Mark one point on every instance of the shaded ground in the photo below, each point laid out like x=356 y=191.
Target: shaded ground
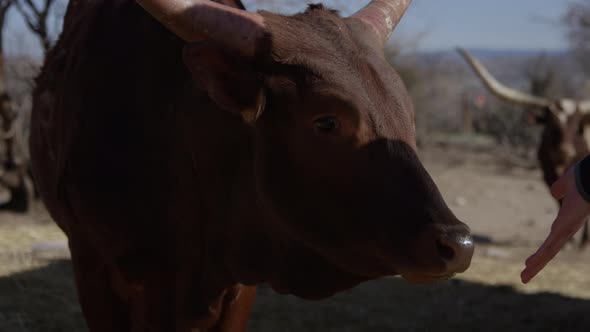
x=390 y=305
x=508 y=207
x=43 y=300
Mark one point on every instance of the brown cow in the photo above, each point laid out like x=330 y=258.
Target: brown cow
x=566 y=132
x=277 y=149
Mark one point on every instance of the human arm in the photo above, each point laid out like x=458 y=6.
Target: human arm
x=573 y=189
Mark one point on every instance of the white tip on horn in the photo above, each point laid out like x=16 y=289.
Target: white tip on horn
x=383 y=16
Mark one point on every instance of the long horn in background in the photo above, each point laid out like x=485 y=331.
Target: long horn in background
x=584 y=106
x=500 y=90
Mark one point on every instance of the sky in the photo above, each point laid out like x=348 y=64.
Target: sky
x=497 y=24
x=439 y=24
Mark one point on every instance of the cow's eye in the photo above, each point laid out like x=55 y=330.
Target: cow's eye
x=326 y=124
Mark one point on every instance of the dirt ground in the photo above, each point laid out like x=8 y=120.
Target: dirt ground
x=508 y=208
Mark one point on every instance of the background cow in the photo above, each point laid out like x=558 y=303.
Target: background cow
x=266 y=149
x=566 y=135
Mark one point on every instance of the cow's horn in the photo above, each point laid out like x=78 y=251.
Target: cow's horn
x=584 y=106
x=500 y=90
x=383 y=16
x=196 y=20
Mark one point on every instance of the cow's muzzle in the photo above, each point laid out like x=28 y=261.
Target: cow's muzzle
x=440 y=252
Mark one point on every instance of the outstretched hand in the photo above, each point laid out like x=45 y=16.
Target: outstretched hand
x=572 y=214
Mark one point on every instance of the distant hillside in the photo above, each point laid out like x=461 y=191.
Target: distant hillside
x=484 y=53
x=491 y=55
x=440 y=81
x=510 y=67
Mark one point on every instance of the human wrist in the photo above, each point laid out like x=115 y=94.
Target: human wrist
x=582 y=177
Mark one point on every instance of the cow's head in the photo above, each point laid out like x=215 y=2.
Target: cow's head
x=566 y=134
x=334 y=141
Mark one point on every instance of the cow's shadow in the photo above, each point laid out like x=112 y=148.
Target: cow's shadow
x=390 y=304
x=44 y=299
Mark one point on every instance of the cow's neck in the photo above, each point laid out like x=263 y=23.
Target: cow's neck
x=221 y=149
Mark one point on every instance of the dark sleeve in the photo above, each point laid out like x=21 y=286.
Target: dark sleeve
x=582 y=171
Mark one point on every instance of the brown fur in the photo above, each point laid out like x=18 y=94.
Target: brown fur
x=177 y=183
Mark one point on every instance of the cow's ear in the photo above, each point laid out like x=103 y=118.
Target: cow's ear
x=230 y=82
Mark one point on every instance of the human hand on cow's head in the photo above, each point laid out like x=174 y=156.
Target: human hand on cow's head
x=572 y=215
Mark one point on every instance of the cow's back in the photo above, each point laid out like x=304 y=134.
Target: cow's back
x=112 y=107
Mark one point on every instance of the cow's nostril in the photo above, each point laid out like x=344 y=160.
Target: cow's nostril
x=455 y=249
x=445 y=251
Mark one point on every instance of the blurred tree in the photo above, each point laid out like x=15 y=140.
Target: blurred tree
x=4 y=7
x=11 y=175
x=37 y=18
x=401 y=53
x=4 y=97
x=577 y=21
x=541 y=74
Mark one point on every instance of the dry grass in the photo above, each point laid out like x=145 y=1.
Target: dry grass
x=18 y=234
x=391 y=305
x=36 y=294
